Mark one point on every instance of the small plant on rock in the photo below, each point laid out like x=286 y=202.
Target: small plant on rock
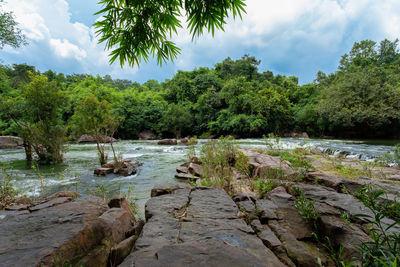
x=384 y=249
x=305 y=208
x=264 y=186
x=219 y=157
x=7 y=190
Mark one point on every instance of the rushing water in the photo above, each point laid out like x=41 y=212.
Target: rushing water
x=159 y=163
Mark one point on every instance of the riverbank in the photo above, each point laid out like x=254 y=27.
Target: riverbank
x=268 y=208
x=159 y=164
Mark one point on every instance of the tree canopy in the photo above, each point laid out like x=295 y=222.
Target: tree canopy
x=134 y=30
x=10 y=34
x=360 y=99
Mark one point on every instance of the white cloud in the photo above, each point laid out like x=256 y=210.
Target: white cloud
x=295 y=36
x=65 y=49
x=62 y=43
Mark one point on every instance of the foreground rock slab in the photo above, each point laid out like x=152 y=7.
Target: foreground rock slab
x=65 y=232
x=197 y=227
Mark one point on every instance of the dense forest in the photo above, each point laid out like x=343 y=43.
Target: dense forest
x=361 y=99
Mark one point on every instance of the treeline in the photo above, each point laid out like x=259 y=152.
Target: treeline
x=361 y=99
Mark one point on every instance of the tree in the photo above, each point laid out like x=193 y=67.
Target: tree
x=136 y=29
x=363 y=97
x=37 y=114
x=95 y=118
x=176 y=118
x=10 y=34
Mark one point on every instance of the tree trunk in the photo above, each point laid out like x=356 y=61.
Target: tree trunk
x=28 y=152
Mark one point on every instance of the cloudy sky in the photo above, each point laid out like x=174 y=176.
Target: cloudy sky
x=292 y=37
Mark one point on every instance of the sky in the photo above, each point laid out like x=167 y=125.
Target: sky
x=290 y=37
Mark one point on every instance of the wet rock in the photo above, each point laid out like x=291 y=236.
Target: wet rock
x=124 y=168
x=167 y=142
x=127 y=168
x=184 y=140
x=10 y=142
x=195 y=169
x=91 y=139
x=103 y=171
x=146 y=135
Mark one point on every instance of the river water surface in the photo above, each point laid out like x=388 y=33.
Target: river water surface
x=159 y=163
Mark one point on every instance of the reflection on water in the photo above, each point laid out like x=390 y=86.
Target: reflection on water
x=159 y=163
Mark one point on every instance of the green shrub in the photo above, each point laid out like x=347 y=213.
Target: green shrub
x=7 y=190
x=264 y=186
x=384 y=249
x=305 y=208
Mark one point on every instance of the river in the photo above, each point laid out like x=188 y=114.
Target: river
x=159 y=163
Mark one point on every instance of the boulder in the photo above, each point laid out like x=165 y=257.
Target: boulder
x=90 y=139
x=10 y=142
x=78 y=232
x=146 y=135
x=103 y=171
x=184 y=140
x=122 y=203
x=195 y=169
x=167 y=142
x=127 y=168
x=186 y=176
x=182 y=169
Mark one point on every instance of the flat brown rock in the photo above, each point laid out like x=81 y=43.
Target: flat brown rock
x=79 y=232
x=197 y=227
x=186 y=176
x=103 y=171
x=51 y=203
